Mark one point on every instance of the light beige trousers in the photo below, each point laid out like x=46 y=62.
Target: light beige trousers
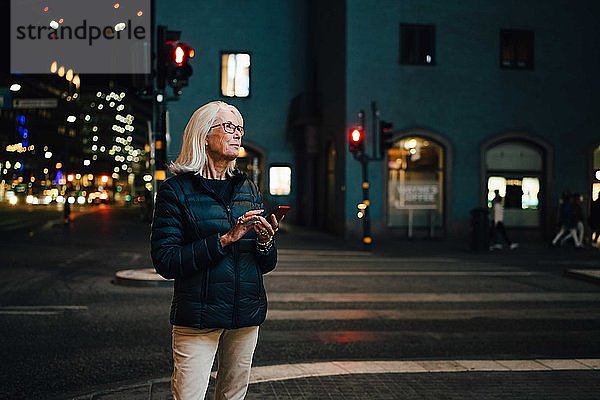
x=193 y=355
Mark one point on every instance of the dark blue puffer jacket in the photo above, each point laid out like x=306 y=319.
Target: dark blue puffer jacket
x=215 y=287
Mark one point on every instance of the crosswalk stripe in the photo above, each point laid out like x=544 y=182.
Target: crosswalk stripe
x=432 y=297
x=404 y=273
x=274 y=314
x=39 y=310
x=340 y=260
x=332 y=368
x=323 y=253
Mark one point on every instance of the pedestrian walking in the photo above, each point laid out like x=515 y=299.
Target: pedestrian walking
x=575 y=220
x=208 y=235
x=498 y=224
x=594 y=220
x=567 y=220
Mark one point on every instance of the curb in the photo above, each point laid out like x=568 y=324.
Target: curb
x=589 y=275
x=288 y=372
x=140 y=277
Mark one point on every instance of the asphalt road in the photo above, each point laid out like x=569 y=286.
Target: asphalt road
x=67 y=329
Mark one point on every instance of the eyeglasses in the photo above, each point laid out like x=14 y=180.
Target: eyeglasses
x=228 y=127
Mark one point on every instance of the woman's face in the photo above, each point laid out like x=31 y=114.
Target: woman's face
x=222 y=145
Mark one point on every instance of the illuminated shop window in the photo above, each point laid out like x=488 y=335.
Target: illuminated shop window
x=516 y=168
x=280 y=180
x=596 y=173
x=235 y=74
x=520 y=193
x=415 y=184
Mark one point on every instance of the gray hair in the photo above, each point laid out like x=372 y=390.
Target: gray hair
x=192 y=157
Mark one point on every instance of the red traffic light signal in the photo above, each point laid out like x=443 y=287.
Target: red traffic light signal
x=181 y=53
x=356 y=141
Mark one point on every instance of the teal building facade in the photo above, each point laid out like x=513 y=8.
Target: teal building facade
x=483 y=96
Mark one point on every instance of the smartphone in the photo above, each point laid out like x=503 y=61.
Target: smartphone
x=279 y=212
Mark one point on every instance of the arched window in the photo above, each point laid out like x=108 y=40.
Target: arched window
x=416 y=185
x=250 y=161
x=596 y=173
x=515 y=168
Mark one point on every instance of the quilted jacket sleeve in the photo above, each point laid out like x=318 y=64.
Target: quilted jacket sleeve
x=171 y=255
x=267 y=261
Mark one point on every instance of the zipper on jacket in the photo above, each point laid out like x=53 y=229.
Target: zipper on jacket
x=236 y=272
x=236 y=267
x=235 y=247
x=206 y=279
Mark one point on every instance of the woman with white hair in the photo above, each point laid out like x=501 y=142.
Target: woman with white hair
x=208 y=235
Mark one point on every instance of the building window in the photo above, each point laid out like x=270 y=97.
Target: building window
x=516 y=49
x=417 y=44
x=249 y=161
x=416 y=185
x=520 y=192
x=235 y=74
x=516 y=169
x=596 y=173
x=280 y=180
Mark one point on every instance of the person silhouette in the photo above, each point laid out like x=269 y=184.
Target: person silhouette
x=574 y=221
x=594 y=220
x=498 y=224
x=67 y=212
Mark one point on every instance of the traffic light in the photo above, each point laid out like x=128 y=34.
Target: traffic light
x=385 y=135
x=173 y=63
x=178 y=65
x=356 y=141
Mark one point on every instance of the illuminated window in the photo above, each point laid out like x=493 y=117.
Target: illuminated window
x=235 y=74
x=280 y=180
x=515 y=168
x=416 y=185
x=517 y=192
x=596 y=173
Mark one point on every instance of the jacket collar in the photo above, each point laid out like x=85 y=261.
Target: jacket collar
x=237 y=179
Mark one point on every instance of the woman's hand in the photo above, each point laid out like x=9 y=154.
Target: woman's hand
x=243 y=224
x=265 y=230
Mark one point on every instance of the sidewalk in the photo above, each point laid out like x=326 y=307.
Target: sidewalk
x=425 y=380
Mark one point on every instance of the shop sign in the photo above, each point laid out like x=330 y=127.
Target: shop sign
x=417 y=195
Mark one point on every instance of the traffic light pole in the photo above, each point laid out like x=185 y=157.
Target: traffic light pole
x=358 y=149
x=361 y=155
x=374 y=123
x=171 y=67
x=158 y=102
x=367 y=239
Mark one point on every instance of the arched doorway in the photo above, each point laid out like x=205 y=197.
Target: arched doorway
x=595 y=173
x=416 y=186
x=251 y=161
x=517 y=169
